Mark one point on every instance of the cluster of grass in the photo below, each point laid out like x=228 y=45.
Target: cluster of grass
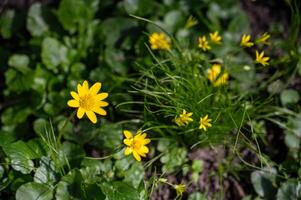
x=105 y=101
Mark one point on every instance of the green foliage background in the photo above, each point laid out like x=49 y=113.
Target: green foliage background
x=47 y=50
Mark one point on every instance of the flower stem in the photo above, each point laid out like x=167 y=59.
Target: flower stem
x=63 y=127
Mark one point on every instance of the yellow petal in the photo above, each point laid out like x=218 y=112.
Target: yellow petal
x=128 y=142
x=142 y=136
x=128 y=151
x=95 y=88
x=86 y=85
x=100 y=111
x=127 y=134
x=102 y=104
x=80 y=90
x=74 y=95
x=142 y=155
x=101 y=96
x=91 y=115
x=143 y=150
x=80 y=112
x=136 y=156
x=146 y=141
x=73 y=103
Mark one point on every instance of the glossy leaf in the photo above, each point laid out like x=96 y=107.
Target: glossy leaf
x=36 y=25
x=34 y=191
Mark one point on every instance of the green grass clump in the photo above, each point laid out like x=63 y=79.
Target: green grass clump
x=177 y=81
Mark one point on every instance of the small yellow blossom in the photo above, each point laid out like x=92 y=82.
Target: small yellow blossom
x=184 y=118
x=180 y=189
x=88 y=101
x=159 y=41
x=222 y=80
x=246 y=41
x=261 y=59
x=136 y=144
x=205 y=122
x=203 y=43
x=214 y=76
x=191 y=21
x=214 y=37
x=263 y=39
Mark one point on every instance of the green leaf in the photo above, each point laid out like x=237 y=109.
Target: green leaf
x=1 y=172
x=95 y=167
x=239 y=22
x=41 y=78
x=36 y=25
x=84 y=132
x=53 y=54
x=138 y=7
x=174 y=158
x=6 y=23
x=173 y=20
x=39 y=126
x=34 y=191
x=292 y=141
x=197 y=196
x=6 y=138
x=38 y=147
x=116 y=60
x=119 y=191
x=46 y=173
x=20 y=62
x=20 y=154
x=122 y=163
x=71 y=186
x=72 y=152
x=197 y=167
x=93 y=191
x=289 y=190
x=264 y=182
x=294 y=125
x=18 y=82
x=71 y=12
x=276 y=86
x=109 y=135
x=118 y=31
x=289 y=97
x=15 y=115
x=134 y=175
x=17 y=179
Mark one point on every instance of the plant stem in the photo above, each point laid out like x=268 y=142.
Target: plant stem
x=63 y=127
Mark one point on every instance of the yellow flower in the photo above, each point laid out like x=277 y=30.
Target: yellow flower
x=136 y=144
x=180 y=189
x=263 y=39
x=184 y=118
x=203 y=43
x=214 y=76
x=214 y=37
x=245 y=41
x=88 y=101
x=159 y=41
x=191 y=21
x=205 y=122
x=261 y=59
x=222 y=80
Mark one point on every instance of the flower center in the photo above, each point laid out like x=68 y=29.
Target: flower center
x=87 y=102
x=136 y=144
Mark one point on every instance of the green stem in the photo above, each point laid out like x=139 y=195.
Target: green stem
x=100 y=158
x=63 y=127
